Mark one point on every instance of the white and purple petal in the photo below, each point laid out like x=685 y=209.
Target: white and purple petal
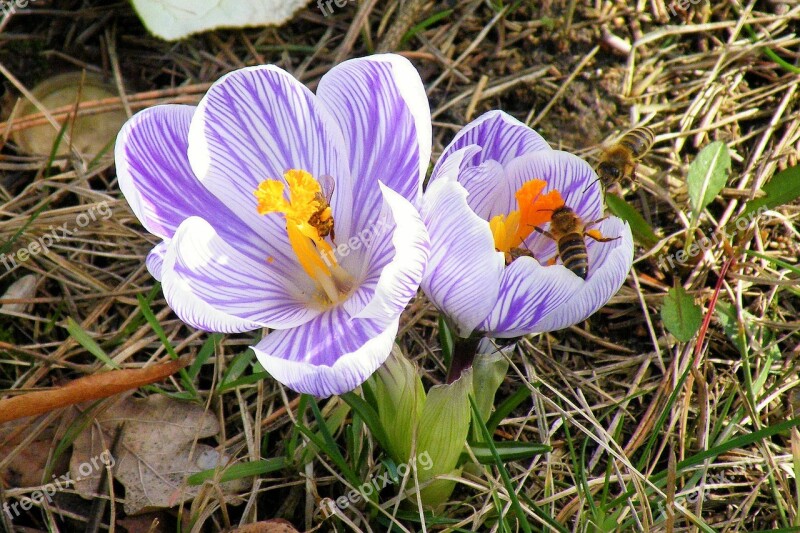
x=528 y=293
x=394 y=263
x=332 y=354
x=464 y=270
x=214 y=287
x=155 y=259
x=154 y=173
x=380 y=105
x=485 y=183
x=255 y=124
x=500 y=136
x=609 y=265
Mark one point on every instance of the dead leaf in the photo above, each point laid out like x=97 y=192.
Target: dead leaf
x=94 y=387
x=22 y=289
x=270 y=526
x=89 y=133
x=26 y=469
x=175 y=19
x=146 y=523
x=156 y=452
x=23 y=461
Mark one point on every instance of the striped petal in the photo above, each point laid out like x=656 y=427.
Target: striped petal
x=155 y=177
x=464 y=270
x=255 y=124
x=565 y=172
x=528 y=293
x=485 y=183
x=157 y=180
x=212 y=286
x=155 y=259
x=609 y=265
x=380 y=105
x=394 y=263
x=500 y=136
x=331 y=354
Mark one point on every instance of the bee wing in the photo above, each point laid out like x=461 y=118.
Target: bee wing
x=328 y=185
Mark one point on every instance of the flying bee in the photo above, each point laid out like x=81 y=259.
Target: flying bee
x=619 y=161
x=569 y=231
x=322 y=218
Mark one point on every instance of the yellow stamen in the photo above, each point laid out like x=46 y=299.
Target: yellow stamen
x=535 y=209
x=306 y=210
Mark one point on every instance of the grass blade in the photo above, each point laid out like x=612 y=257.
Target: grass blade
x=239 y=471
x=83 y=338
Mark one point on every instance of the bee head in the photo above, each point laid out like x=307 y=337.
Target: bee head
x=609 y=172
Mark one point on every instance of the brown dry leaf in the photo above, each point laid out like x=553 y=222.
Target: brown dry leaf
x=270 y=526
x=155 y=454
x=23 y=461
x=26 y=469
x=146 y=523
x=22 y=289
x=90 y=133
x=94 y=387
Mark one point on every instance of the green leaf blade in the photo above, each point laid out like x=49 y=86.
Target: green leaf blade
x=681 y=316
x=642 y=231
x=506 y=451
x=782 y=189
x=708 y=174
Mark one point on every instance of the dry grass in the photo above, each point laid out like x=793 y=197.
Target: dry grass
x=601 y=392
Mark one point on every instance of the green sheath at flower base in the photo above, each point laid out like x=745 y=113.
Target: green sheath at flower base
x=442 y=433
x=489 y=371
x=400 y=397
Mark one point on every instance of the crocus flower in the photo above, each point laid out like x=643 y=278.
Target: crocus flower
x=283 y=209
x=489 y=270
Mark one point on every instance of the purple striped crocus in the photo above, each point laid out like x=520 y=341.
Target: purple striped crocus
x=489 y=270
x=282 y=209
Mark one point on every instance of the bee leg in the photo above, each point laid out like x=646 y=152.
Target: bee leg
x=544 y=232
x=597 y=236
x=594 y=222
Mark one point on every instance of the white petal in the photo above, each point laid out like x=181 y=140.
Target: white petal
x=464 y=270
x=380 y=105
x=213 y=287
x=396 y=280
x=331 y=354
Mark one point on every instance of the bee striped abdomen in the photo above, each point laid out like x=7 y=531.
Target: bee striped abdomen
x=638 y=141
x=572 y=251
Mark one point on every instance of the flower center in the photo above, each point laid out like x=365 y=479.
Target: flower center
x=535 y=209
x=309 y=221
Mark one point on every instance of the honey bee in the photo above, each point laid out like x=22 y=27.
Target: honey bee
x=322 y=218
x=569 y=231
x=619 y=161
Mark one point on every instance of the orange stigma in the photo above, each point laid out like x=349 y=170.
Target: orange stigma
x=534 y=209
